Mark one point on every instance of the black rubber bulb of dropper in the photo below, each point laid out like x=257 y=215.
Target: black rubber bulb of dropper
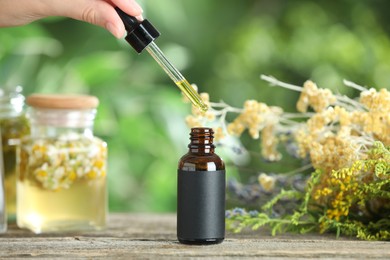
x=139 y=33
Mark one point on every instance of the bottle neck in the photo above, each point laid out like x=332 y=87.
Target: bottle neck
x=11 y=102
x=201 y=141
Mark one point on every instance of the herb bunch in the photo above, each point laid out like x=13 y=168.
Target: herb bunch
x=346 y=141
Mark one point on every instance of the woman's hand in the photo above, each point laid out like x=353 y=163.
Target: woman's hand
x=98 y=12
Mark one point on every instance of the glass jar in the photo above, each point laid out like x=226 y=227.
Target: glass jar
x=61 y=182
x=13 y=126
x=3 y=214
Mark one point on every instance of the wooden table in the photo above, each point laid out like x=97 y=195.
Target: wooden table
x=153 y=236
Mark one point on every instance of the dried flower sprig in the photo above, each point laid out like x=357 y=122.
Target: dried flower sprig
x=354 y=202
x=265 y=188
x=346 y=142
x=256 y=117
x=338 y=132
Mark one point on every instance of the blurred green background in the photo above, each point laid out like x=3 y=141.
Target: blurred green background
x=222 y=46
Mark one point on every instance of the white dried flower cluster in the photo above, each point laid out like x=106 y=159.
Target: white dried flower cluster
x=55 y=164
x=337 y=132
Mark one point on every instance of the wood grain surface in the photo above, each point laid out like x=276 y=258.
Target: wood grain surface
x=153 y=236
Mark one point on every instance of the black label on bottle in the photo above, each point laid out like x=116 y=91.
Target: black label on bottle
x=201 y=205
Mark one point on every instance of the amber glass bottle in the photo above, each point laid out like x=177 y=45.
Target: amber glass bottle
x=201 y=192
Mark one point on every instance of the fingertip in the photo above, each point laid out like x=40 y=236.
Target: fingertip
x=121 y=31
x=114 y=24
x=121 y=34
x=130 y=7
x=140 y=18
x=136 y=7
x=118 y=32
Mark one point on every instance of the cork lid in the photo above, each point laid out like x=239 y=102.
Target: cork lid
x=57 y=101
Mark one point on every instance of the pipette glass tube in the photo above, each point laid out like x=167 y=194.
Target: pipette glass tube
x=141 y=35
x=176 y=76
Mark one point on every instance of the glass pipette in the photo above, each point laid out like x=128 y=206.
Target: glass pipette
x=141 y=35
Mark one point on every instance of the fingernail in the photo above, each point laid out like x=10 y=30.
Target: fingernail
x=112 y=29
x=140 y=18
x=136 y=7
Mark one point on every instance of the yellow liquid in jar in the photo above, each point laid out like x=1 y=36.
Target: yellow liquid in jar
x=78 y=208
x=61 y=184
x=191 y=94
x=12 y=130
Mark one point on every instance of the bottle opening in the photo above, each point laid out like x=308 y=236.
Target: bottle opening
x=202 y=139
